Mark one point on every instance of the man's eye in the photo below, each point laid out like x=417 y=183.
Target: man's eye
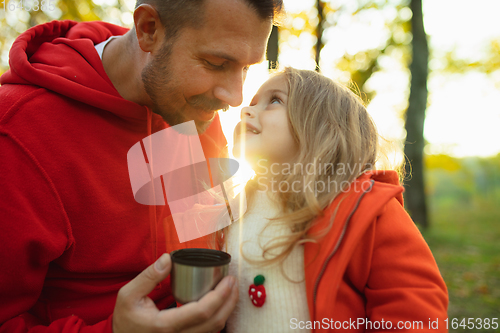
x=215 y=66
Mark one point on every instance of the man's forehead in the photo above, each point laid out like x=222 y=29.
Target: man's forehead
x=234 y=16
x=232 y=30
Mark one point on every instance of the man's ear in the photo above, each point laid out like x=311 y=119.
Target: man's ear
x=148 y=28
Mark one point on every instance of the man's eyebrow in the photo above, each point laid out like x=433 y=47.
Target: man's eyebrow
x=222 y=55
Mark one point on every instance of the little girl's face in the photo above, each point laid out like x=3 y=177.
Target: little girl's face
x=264 y=129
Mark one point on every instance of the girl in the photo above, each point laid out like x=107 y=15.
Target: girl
x=325 y=243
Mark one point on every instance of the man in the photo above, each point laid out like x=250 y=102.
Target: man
x=72 y=233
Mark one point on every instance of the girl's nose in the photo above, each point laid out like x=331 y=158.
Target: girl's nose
x=247 y=111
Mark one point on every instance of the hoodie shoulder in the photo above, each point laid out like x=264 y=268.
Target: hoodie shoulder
x=14 y=96
x=60 y=56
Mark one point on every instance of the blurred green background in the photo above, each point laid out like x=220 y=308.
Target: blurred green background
x=464 y=199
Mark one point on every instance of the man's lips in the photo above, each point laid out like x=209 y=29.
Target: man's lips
x=205 y=115
x=206 y=107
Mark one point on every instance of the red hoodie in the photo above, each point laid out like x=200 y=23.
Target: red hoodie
x=72 y=233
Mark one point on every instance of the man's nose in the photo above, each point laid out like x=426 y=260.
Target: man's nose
x=231 y=90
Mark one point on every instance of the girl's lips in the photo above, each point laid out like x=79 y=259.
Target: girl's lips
x=252 y=129
x=245 y=128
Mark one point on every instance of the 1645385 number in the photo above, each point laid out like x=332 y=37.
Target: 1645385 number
x=29 y=5
x=472 y=323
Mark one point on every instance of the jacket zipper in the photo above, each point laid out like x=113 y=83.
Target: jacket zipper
x=323 y=269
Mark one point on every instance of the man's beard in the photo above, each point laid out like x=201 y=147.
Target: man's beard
x=156 y=76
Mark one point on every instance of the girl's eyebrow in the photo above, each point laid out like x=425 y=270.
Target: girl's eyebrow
x=273 y=91
x=270 y=92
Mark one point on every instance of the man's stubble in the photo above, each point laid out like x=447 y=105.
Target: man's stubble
x=157 y=80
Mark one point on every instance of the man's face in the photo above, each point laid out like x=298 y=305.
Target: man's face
x=204 y=69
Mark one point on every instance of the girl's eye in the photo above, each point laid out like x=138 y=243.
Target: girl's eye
x=275 y=99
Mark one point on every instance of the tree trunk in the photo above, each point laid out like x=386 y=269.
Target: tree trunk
x=273 y=49
x=319 y=32
x=415 y=200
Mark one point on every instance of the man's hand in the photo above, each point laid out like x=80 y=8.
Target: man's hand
x=135 y=312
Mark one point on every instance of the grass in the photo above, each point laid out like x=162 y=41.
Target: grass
x=465 y=239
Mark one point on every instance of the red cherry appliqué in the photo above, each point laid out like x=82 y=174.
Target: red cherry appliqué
x=257 y=291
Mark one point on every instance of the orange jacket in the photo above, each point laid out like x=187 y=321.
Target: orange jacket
x=373 y=264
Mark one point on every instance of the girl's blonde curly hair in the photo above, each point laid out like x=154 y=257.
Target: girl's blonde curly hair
x=333 y=129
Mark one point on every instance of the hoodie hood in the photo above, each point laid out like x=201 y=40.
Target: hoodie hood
x=386 y=178
x=60 y=56
x=369 y=193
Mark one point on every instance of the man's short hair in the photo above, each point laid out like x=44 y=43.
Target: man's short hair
x=177 y=14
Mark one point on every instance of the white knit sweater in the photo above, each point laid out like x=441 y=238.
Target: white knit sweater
x=286 y=301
